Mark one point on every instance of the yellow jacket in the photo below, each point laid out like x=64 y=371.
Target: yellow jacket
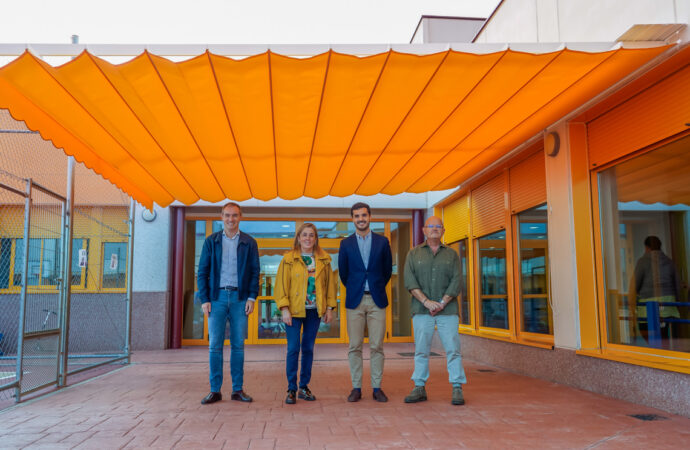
x=291 y=283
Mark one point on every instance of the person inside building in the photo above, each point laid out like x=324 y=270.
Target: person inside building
x=656 y=280
x=365 y=262
x=305 y=293
x=432 y=275
x=228 y=281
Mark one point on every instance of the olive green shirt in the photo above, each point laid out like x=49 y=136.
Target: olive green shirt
x=436 y=275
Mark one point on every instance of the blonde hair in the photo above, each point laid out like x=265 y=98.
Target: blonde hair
x=297 y=245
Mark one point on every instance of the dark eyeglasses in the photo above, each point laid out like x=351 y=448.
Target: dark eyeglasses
x=438 y=227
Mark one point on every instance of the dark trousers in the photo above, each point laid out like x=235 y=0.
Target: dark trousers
x=308 y=327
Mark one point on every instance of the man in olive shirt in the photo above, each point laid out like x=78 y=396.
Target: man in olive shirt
x=432 y=275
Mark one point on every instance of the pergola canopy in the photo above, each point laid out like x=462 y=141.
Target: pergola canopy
x=269 y=126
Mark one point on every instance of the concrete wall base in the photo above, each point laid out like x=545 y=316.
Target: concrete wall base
x=150 y=320
x=668 y=391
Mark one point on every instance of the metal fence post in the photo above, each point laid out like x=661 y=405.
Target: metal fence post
x=130 y=271
x=66 y=288
x=22 y=302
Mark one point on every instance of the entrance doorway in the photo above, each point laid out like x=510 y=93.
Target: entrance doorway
x=275 y=237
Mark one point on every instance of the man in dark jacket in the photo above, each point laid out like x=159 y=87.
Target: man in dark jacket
x=228 y=281
x=365 y=265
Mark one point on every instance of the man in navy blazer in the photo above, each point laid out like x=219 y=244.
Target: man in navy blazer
x=228 y=281
x=365 y=265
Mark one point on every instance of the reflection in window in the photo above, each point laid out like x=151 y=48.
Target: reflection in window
x=34 y=265
x=50 y=265
x=645 y=229
x=114 y=264
x=400 y=297
x=493 y=294
x=461 y=249
x=534 y=280
x=342 y=229
x=193 y=317
x=264 y=229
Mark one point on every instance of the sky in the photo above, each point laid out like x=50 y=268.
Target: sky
x=224 y=21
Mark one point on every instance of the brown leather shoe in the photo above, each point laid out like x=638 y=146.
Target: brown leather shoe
x=355 y=395
x=240 y=396
x=211 y=398
x=379 y=396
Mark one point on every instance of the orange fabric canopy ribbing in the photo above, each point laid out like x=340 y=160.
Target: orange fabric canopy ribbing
x=272 y=126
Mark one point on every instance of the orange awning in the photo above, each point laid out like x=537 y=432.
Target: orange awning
x=272 y=126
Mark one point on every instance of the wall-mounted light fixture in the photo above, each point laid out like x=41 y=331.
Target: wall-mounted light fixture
x=148 y=215
x=552 y=143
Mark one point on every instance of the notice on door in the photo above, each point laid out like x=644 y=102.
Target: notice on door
x=113 y=261
x=82 y=257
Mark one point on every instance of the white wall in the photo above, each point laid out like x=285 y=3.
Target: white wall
x=578 y=20
x=563 y=266
x=151 y=248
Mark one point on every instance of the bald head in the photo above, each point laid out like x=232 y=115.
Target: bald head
x=433 y=230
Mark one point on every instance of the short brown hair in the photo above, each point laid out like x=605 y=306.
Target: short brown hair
x=301 y=228
x=231 y=204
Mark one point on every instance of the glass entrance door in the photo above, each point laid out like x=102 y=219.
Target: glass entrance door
x=274 y=238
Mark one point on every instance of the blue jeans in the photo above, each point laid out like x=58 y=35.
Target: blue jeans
x=228 y=308
x=447 y=326
x=310 y=326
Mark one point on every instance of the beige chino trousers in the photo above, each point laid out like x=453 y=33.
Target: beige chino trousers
x=366 y=313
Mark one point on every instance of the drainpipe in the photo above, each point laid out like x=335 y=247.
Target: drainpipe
x=417 y=226
x=178 y=274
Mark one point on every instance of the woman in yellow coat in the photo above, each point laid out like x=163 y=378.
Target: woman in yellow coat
x=305 y=292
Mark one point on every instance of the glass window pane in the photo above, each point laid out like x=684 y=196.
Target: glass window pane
x=645 y=229
x=34 y=262
x=192 y=316
x=400 y=297
x=332 y=229
x=5 y=259
x=461 y=248
x=534 y=280
x=263 y=229
x=77 y=245
x=50 y=266
x=332 y=330
x=342 y=229
x=114 y=264
x=492 y=280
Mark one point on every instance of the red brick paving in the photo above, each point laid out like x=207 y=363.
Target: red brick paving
x=155 y=403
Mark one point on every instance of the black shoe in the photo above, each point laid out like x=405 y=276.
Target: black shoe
x=212 y=398
x=240 y=396
x=290 y=399
x=355 y=395
x=379 y=396
x=306 y=394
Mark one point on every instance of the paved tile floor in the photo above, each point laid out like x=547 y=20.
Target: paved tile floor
x=155 y=403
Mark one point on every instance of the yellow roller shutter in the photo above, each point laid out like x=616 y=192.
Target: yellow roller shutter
x=655 y=114
x=488 y=206
x=456 y=219
x=528 y=183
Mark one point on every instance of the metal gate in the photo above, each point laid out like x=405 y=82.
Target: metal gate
x=39 y=257
x=41 y=310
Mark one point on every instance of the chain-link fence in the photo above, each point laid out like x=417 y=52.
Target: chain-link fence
x=34 y=306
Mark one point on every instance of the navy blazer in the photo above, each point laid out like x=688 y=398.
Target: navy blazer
x=208 y=275
x=353 y=274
